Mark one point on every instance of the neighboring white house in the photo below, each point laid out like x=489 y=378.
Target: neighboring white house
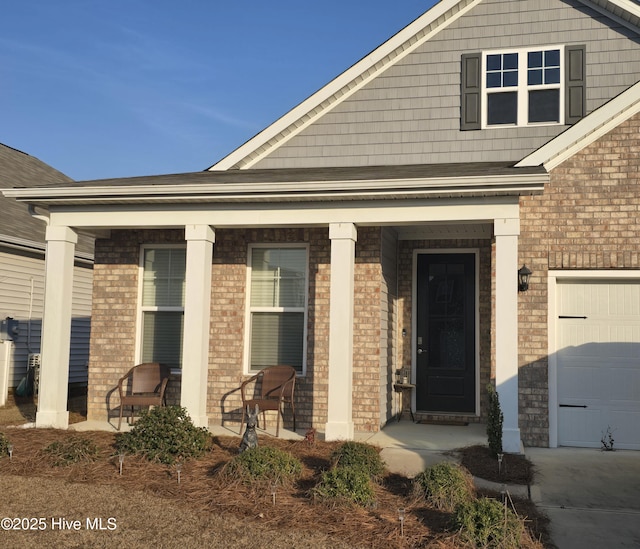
x=22 y=267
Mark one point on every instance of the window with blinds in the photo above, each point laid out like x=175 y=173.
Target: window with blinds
x=277 y=307
x=162 y=305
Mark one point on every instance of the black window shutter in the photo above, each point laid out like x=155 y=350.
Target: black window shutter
x=470 y=97
x=575 y=84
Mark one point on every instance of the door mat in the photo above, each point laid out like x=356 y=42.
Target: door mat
x=452 y=422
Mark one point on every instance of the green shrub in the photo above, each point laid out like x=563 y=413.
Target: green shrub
x=4 y=445
x=486 y=522
x=445 y=485
x=345 y=484
x=495 y=419
x=359 y=455
x=71 y=450
x=165 y=434
x=264 y=463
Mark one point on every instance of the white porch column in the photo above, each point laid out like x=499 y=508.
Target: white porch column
x=339 y=414
x=506 y=234
x=56 y=328
x=197 y=315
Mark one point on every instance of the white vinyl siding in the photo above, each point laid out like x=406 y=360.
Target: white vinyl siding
x=22 y=298
x=162 y=305
x=277 y=307
x=410 y=113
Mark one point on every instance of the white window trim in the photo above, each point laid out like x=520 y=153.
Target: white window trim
x=249 y=309
x=522 y=87
x=142 y=308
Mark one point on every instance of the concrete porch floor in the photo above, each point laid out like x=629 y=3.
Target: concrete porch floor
x=407 y=447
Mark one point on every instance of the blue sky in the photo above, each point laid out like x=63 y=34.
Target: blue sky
x=117 y=88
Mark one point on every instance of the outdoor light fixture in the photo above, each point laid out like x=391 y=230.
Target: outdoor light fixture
x=524 y=274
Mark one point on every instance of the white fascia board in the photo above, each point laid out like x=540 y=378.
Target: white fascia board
x=289 y=191
x=316 y=214
x=624 y=12
x=347 y=83
x=586 y=131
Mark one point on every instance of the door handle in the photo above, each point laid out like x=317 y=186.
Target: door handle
x=420 y=351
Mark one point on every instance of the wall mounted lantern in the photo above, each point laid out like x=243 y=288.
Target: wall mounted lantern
x=524 y=274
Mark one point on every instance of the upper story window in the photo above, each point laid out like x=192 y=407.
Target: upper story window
x=523 y=87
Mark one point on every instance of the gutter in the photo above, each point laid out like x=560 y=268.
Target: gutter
x=297 y=191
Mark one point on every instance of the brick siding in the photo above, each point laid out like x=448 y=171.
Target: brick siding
x=115 y=298
x=587 y=218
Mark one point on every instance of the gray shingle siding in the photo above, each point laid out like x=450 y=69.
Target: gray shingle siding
x=410 y=114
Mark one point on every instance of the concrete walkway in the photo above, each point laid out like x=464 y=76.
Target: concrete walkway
x=409 y=448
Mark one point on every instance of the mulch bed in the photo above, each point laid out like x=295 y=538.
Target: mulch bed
x=514 y=468
x=203 y=488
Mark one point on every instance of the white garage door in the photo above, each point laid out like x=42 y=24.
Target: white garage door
x=598 y=362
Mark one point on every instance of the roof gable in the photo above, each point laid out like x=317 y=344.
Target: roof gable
x=347 y=83
x=438 y=18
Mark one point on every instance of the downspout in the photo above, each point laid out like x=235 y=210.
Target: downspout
x=45 y=219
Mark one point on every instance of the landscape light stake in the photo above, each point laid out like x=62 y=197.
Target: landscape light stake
x=179 y=469
x=121 y=460
x=401 y=517
x=274 y=485
x=10 y=450
x=500 y=456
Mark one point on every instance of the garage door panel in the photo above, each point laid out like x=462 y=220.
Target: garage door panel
x=578 y=382
x=580 y=427
x=624 y=386
x=624 y=300
x=598 y=362
x=578 y=339
x=625 y=428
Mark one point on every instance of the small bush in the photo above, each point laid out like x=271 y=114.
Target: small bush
x=71 y=450
x=486 y=522
x=165 y=434
x=345 y=484
x=495 y=419
x=445 y=485
x=264 y=463
x=359 y=455
x=4 y=445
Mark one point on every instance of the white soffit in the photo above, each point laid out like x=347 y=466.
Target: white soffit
x=624 y=12
x=347 y=83
x=586 y=131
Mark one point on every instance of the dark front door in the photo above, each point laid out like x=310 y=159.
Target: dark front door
x=445 y=344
